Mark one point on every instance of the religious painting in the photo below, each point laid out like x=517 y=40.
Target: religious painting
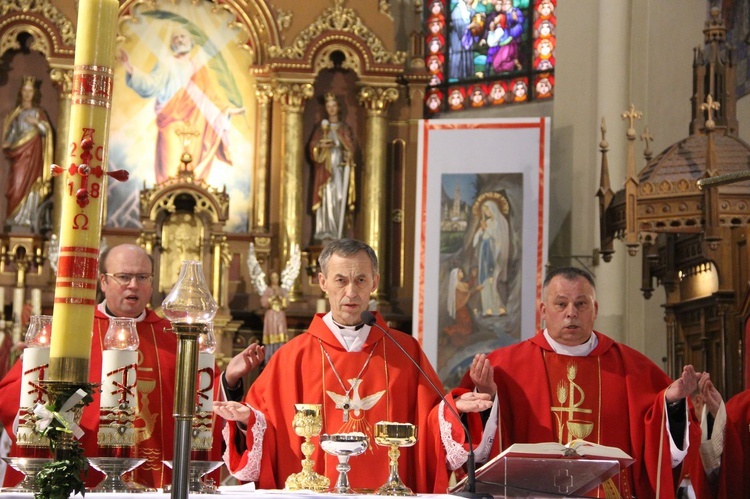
x=181 y=86
x=481 y=240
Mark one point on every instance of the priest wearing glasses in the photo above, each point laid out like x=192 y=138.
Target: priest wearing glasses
x=126 y=281
x=360 y=377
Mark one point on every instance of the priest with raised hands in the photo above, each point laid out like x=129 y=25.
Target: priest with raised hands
x=359 y=376
x=570 y=382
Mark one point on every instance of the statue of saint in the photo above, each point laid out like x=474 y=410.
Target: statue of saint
x=28 y=145
x=332 y=150
x=273 y=297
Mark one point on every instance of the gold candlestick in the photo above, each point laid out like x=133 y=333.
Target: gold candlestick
x=307 y=423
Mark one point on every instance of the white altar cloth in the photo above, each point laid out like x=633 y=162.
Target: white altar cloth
x=228 y=492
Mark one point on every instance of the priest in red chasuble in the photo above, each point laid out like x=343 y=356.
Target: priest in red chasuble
x=570 y=382
x=359 y=376
x=126 y=274
x=723 y=469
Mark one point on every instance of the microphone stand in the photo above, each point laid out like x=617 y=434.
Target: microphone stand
x=370 y=319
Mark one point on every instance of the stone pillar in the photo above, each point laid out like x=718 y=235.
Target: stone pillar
x=374 y=173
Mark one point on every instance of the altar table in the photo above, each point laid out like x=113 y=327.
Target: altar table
x=227 y=492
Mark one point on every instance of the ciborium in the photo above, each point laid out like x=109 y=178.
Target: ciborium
x=343 y=446
x=307 y=423
x=395 y=435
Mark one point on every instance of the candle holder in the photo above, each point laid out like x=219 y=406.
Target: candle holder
x=58 y=421
x=113 y=468
x=116 y=436
x=189 y=307
x=29 y=466
x=199 y=469
x=343 y=446
x=395 y=435
x=307 y=422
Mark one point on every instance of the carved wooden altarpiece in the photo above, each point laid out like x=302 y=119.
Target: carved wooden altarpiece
x=693 y=241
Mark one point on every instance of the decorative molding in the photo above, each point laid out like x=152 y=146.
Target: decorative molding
x=376 y=100
x=283 y=18
x=384 y=6
x=208 y=199
x=292 y=96
x=338 y=18
x=62 y=79
x=54 y=34
x=351 y=62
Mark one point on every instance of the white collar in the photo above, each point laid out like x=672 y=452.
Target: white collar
x=103 y=309
x=351 y=339
x=581 y=350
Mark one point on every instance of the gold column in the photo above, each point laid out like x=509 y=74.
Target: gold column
x=259 y=216
x=292 y=97
x=374 y=174
x=62 y=79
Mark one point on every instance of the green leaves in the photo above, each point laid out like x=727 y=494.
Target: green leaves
x=65 y=474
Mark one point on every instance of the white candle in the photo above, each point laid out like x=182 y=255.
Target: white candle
x=33 y=368
x=36 y=301
x=34 y=364
x=202 y=438
x=321 y=306
x=205 y=382
x=119 y=378
x=119 y=395
x=2 y=303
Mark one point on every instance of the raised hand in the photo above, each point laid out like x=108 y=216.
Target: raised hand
x=684 y=386
x=483 y=375
x=244 y=362
x=711 y=396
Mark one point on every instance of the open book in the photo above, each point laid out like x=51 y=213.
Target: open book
x=549 y=468
x=572 y=450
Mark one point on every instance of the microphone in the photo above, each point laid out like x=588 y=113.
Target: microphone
x=369 y=319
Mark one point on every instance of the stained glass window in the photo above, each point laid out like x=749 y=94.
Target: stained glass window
x=488 y=53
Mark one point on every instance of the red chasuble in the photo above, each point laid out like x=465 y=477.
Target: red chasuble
x=307 y=370
x=154 y=422
x=613 y=397
x=734 y=480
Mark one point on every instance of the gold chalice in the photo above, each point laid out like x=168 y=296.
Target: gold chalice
x=395 y=435
x=344 y=446
x=579 y=428
x=307 y=423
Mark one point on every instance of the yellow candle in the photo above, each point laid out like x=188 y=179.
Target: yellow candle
x=85 y=187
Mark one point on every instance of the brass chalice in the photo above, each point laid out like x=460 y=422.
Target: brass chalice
x=395 y=435
x=343 y=445
x=307 y=423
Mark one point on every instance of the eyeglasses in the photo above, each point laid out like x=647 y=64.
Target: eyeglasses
x=125 y=279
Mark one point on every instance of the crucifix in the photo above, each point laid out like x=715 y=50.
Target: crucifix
x=345 y=406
